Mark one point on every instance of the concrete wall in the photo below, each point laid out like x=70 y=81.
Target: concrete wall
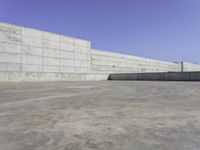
x=160 y=76
x=190 y=67
x=32 y=55
x=102 y=61
x=38 y=76
x=29 y=50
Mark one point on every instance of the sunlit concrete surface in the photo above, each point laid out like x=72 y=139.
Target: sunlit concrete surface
x=28 y=54
x=108 y=115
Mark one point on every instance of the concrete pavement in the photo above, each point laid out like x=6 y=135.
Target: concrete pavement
x=108 y=115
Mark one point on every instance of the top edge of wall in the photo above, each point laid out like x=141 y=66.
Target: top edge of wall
x=190 y=63
x=117 y=53
x=21 y=26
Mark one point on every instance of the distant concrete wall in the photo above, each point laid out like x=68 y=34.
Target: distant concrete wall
x=102 y=61
x=32 y=55
x=190 y=67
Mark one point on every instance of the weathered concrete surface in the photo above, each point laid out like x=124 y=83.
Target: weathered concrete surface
x=190 y=66
x=37 y=76
x=109 y=62
x=160 y=76
x=29 y=50
x=100 y=115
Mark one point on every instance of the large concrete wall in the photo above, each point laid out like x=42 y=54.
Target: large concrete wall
x=102 y=61
x=29 y=50
x=190 y=67
x=32 y=55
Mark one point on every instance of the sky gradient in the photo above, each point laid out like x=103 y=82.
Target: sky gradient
x=160 y=29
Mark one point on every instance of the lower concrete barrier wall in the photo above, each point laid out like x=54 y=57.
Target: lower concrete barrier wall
x=164 y=76
x=37 y=77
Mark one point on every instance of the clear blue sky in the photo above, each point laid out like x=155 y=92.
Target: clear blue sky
x=161 y=29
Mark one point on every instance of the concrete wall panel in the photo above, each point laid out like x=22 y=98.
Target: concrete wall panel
x=67 y=47
x=15 y=77
x=27 y=76
x=31 y=50
x=10 y=58
x=32 y=41
x=91 y=77
x=82 y=43
x=51 y=53
x=32 y=68
x=65 y=69
x=177 y=77
x=10 y=48
x=32 y=60
x=190 y=66
x=51 y=61
x=195 y=76
x=10 y=67
x=67 y=62
x=10 y=38
x=163 y=76
x=81 y=70
x=28 y=32
x=51 y=68
x=50 y=36
x=4 y=77
x=67 y=40
x=49 y=77
x=10 y=33
x=67 y=55
x=102 y=61
x=51 y=44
